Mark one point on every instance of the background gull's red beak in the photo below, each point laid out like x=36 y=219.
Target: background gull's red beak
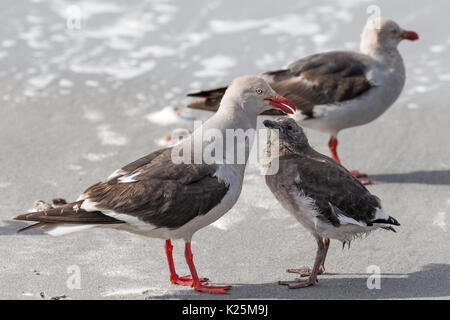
x=280 y=102
x=409 y=35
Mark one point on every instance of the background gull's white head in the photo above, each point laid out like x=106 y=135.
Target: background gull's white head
x=384 y=33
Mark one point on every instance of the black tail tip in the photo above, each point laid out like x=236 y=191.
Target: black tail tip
x=393 y=221
x=389 y=220
x=390 y=228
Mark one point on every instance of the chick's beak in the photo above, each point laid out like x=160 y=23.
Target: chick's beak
x=280 y=102
x=271 y=124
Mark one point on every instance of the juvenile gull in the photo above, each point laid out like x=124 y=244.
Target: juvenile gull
x=155 y=196
x=321 y=194
x=338 y=89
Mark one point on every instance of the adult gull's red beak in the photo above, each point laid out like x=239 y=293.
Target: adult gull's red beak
x=409 y=35
x=280 y=102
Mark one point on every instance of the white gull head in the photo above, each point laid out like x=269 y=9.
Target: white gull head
x=383 y=35
x=253 y=95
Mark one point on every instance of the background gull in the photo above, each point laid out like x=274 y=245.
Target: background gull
x=339 y=89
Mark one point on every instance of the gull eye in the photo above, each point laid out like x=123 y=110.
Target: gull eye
x=289 y=127
x=259 y=91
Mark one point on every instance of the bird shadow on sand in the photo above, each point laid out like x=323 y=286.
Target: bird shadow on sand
x=430 y=282
x=436 y=177
x=10 y=228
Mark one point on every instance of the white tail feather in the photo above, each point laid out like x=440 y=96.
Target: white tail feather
x=56 y=230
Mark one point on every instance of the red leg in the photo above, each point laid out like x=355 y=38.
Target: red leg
x=174 y=277
x=196 y=283
x=332 y=145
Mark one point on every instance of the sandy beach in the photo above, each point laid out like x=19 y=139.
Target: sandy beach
x=79 y=99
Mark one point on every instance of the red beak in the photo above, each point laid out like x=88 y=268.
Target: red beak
x=280 y=102
x=409 y=35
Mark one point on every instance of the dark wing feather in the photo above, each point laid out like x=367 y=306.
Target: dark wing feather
x=215 y=93
x=145 y=160
x=327 y=183
x=206 y=104
x=330 y=183
x=164 y=194
x=325 y=78
x=209 y=99
x=68 y=213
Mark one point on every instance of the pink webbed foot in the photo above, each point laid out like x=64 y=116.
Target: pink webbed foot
x=295 y=284
x=359 y=175
x=185 y=280
x=305 y=271
x=211 y=289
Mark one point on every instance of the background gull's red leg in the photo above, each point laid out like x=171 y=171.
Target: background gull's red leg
x=358 y=174
x=332 y=146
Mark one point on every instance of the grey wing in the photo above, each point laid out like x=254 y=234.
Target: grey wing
x=208 y=100
x=325 y=78
x=143 y=161
x=330 y=184
x=160 y=192
x=214 y=93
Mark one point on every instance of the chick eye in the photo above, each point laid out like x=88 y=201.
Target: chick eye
x=259 y=91
x=289 y=127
